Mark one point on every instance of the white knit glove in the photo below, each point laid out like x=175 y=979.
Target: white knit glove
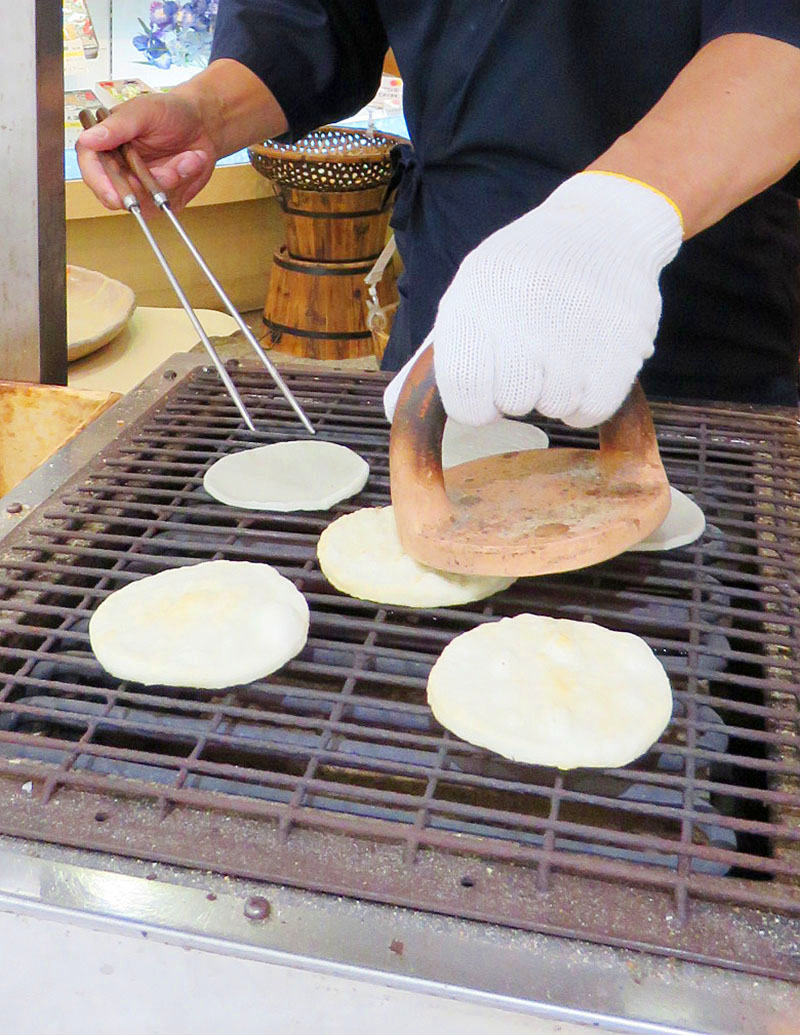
x=558 y=310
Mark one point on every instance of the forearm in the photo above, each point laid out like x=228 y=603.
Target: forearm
x=727 y=128
x=236 y=107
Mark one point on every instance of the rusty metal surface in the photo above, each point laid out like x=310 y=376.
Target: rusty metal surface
x=332 y=774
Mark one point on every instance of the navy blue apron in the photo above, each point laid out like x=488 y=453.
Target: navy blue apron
x=505 y=99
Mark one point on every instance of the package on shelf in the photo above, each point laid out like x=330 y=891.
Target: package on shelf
x=74 y=101
x=115 y=91
x=390 y=94
x=387 y=101
x=77 y=18
x=75 y=63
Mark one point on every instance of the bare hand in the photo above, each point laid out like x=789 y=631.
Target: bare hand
x=169 y=133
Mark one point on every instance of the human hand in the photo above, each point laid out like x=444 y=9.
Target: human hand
x=558 y=310
x=168 y=131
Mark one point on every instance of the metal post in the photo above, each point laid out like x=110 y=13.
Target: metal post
x=33 y=331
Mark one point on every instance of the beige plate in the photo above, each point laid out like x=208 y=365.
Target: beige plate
x=97 y=310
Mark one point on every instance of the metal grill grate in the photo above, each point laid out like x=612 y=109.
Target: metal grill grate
x=332 y=774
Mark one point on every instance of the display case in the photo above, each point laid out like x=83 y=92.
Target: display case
x=159 y=41
x=114 y=49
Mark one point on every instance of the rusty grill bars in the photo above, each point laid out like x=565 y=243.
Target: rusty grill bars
x=333 y=775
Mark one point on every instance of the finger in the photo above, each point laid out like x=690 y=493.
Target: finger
x=89 y=148
x=585 y=418
x=96 y=178
x=562 y=392
x=600 y=400
x=594 y=411
x=104 y=187
x=464 y=369
x=184 y=166
x=184 y=176
x=122 y=125
x=395 y=386
x=518 y=381
x=181 y=197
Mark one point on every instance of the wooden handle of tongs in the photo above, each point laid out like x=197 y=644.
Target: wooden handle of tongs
x=111 y=162
x=125 y=155
x=136 y=163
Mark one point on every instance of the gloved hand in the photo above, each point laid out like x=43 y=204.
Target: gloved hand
x=169 y=133
x=558 y=310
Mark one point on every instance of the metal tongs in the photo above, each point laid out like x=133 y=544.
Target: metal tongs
x=114 y=162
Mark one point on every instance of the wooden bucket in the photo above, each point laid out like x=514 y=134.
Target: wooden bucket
x=319 y=310
x=335 y=226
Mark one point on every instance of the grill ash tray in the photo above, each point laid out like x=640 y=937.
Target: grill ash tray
x=333 y=775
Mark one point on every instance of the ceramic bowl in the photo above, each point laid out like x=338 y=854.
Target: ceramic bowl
x=97 y=310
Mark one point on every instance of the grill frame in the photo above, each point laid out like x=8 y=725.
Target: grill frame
x=734 y=922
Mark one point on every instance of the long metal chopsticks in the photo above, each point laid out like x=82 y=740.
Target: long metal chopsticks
x=113 y=162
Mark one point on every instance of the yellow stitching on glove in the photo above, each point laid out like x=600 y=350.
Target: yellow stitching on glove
x=632 y=179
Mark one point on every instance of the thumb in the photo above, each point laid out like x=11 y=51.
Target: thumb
x=108 y=134
x=96 y=138
x=123 y=124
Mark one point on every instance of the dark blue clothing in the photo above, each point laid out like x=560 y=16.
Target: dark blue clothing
x=504 y=99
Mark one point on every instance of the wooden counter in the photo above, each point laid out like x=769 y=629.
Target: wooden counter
x=235 y=222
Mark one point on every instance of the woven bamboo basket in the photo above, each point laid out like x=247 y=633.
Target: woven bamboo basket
x=329 y=159
x=331 y=186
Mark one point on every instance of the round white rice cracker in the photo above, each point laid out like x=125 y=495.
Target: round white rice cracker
x=209 y=625
x=684 y=523
x=551 y=691
x=305 y=474
x=361 y=555
x=462 y=442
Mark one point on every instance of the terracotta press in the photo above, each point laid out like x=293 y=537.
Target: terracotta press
x=522 y=513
